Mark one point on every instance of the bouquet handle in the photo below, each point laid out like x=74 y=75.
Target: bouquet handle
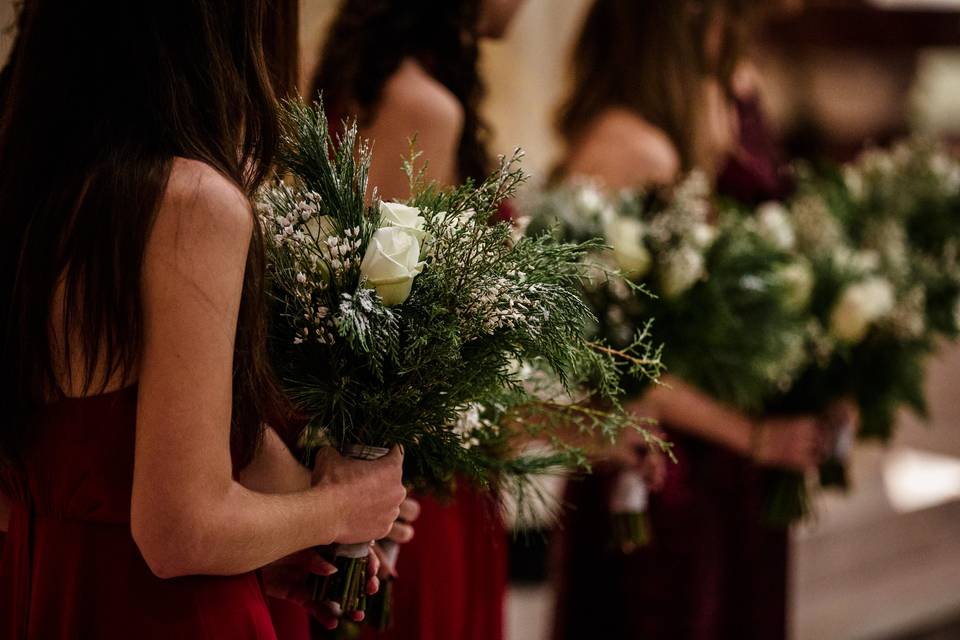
x=628 y=510
x=379 y=612
x=347 y=586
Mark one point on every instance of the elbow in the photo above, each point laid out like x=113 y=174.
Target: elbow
x=172 y=545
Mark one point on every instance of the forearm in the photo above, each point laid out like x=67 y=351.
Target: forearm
x=684 y=408
x=236 y=530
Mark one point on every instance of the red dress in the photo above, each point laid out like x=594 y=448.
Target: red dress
x=713 y=570
x=452 y=575
x=70 y=567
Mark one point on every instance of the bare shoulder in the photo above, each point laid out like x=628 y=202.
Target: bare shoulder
x=621 y=149
x=201 y=203
x=413 y=96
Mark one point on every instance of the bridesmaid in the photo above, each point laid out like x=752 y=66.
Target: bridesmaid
x=657 y=91
x=403 y=69
x=134 y=377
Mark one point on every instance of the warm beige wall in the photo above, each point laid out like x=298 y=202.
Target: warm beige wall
x=526 y=78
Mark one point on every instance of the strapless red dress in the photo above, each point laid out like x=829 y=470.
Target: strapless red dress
x=70 y=567
x=452 y=575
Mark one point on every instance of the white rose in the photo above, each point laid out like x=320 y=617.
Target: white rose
x=626 y=238
x=774 y=225
x=861 y=305
x=680 y=270
x=391 y=263
x=394 y=214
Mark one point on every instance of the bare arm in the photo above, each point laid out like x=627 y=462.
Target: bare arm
x=687 y=409
x=188 y=514
x=791 y=442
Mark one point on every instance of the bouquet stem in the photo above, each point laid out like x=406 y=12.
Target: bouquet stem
x=379 y=612
x=787 y=498
x=833 y=473
x=628 y=511
x=348 y=586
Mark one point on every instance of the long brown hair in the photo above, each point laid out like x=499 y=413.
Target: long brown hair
x=649 y=57
x=100 y=98
x=368 y=41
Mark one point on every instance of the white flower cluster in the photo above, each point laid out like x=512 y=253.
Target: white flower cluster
x=470 y=425
x=772 y=222
x=507 y=303
x=908 y=319
x=681 y=234
x=285 y=213
x=675 y=238
x=815 y=227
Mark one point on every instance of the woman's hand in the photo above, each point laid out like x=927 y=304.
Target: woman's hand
x=286 y=579
x=401 y=533
x=369 y=492
x=788 y=442
x=402 y=530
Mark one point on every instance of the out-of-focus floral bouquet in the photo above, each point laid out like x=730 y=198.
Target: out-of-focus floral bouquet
x=882 y=233
x=838 y=294
x=426 y=325
x=727 y=294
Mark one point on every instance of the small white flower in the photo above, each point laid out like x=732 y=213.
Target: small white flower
x=702 y=235
x=590 y=199
x=853 y=179
x=681 y=269
x=799 y=281
x=774 y=225
x=301 y=277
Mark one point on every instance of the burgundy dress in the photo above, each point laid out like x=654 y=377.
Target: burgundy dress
x=712 y=571
x=452 y=576
x=70 y=567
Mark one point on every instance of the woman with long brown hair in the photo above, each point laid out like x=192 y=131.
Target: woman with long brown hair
x=408 y=68
x=658 y=90
x=133 y=377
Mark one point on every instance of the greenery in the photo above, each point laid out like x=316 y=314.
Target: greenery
x=841 y=292
x=485 y=352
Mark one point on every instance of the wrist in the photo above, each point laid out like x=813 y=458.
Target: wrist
x=744 y=435
x=758 y=437
x=328 y=521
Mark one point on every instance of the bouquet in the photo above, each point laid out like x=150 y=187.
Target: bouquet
x=727 y=296
x=882 y=233
x=426 y=325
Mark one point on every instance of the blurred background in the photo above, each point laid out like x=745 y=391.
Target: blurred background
x=883 y=561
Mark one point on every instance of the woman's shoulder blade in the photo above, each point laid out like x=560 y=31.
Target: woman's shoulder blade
x=622 y=149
